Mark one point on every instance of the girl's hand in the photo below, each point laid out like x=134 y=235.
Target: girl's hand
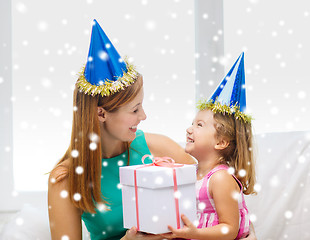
x=187 y=231
x=251 y=235
x=133 y=234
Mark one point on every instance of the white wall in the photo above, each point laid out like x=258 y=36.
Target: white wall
x=275 y=36
x=6 y=140
x=209 y=45
x=50 y=41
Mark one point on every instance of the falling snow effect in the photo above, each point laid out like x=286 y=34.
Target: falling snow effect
x=236 y=196
x=64 y=193
x=19 y=221
x=201 y=206
x=77 y=197
x=93 y=137
x=155 y=218
x=79 y=170
x=224 y=230
x=102 y=207
x=242 y=173
x=187 y=204
x=275 y=110
x=74 y=153
x=257 y=187
x=177 y=194
x=288 y=214
x=93 y=146
x=253 y=218
x=159 y=180
x=231 y=170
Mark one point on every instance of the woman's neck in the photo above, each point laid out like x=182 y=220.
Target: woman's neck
x=111 y=147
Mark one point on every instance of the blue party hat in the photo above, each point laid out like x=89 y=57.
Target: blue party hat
x=105 y=71
x=230 y=97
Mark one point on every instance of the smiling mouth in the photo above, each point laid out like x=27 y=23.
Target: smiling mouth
x=189 y=140
x=133 y=128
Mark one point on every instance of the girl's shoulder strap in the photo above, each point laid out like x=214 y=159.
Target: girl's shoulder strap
x=223 y=167
x=217 y=168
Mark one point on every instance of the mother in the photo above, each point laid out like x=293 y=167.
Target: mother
x=107 y=111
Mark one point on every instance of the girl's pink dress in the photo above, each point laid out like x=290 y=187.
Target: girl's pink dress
x=206 y=213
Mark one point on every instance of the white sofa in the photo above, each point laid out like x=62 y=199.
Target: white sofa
x=282 y=207
x=281 y=210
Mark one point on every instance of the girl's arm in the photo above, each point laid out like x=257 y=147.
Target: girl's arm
x=223 y=188
x=162 y=146
x=64 y=218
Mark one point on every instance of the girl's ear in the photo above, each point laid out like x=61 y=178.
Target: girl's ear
x=102 y=114
x=221 y=144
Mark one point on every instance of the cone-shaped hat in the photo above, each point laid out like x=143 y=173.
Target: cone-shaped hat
x=230 y=96
x=105 y=71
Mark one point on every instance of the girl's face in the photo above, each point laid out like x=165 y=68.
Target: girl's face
x=122 y=124
x=201 y=136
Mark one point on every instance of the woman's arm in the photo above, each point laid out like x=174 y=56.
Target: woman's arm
x=64 y=218
x=162 y=146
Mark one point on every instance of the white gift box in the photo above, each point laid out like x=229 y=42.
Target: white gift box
x=159 y=203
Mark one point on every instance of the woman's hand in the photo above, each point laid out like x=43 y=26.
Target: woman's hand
x=187 y=231
x=133 y=234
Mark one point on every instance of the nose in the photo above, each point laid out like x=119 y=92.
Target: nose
x=143 y=115
x=189 y=130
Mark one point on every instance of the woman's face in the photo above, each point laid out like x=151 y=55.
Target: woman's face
x=122 y=124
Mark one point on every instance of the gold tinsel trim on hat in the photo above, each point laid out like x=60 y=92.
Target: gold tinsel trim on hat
x=108 y=87
x=217 y=107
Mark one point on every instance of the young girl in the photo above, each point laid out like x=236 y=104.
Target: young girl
x=220 y=138
x=84 y=185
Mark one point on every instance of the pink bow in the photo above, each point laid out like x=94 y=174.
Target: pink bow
x=161 y=161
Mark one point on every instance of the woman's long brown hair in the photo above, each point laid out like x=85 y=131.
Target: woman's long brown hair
x=85 y=125
x=239 y=153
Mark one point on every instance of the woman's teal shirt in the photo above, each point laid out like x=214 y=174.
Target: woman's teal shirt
x=109 y=224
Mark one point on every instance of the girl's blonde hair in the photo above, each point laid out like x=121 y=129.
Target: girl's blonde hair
x=239 y=153
x=85 y=125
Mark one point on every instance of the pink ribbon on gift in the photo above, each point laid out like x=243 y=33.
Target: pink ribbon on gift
x=159 y=162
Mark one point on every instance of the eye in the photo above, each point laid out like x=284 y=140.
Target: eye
x=199 y=125
x=135 y=111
